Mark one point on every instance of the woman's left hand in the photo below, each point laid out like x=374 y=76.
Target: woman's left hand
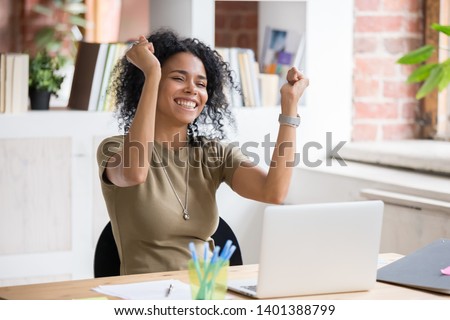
x=292 y=90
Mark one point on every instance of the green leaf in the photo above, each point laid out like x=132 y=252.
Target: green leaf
x=441 y=28
x=446 y=76
x=79 y=21
x=44 y=36
x=421 y=73
x=432 y=81
x=75 y=8
x=417 y=56
x=46 y=11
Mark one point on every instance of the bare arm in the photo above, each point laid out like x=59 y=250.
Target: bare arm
x=272 y=187
x=131 y=164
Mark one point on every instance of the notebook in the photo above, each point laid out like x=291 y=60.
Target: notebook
x=421 y=269
x=316 y=249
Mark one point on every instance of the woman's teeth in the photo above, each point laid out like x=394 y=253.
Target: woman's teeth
x=186 y=104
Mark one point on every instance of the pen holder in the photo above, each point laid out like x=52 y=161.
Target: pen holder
x=208 y=283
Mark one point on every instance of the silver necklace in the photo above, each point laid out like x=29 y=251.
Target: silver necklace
x=186 y=215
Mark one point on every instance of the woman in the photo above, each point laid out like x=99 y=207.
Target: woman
x=159 y=180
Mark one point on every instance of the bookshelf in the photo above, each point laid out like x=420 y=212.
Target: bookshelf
x=53 y=211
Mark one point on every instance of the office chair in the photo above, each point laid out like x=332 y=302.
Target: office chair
x=107 y=261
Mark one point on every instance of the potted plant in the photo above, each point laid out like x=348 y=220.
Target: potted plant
x=44 y=79
x=61 y=36
x=433 y=75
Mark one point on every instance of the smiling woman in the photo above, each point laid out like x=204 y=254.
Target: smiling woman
x=159 y=180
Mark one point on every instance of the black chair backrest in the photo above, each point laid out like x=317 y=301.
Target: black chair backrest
x=224 y=233
x=107 y=261
x=106 y=257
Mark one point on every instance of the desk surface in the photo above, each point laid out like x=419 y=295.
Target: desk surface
x=81 y=289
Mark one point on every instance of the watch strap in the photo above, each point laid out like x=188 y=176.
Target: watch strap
x=289 y=121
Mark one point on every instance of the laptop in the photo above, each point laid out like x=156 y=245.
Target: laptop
x=316 y=249
x=421 y=269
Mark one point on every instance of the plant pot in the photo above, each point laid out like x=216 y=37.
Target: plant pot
x=39 y=99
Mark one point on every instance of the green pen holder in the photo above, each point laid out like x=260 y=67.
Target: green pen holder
x=212 y=283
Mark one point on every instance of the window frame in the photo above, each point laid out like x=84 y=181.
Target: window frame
x=435 y=110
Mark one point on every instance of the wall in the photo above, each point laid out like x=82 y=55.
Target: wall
x=189 y=18
x=236 y=24
x=384 y=106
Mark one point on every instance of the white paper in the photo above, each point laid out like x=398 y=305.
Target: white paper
x=151 y=290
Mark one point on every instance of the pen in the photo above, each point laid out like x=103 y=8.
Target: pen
x=169 y=290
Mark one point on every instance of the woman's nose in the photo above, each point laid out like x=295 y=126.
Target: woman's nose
x=190 y=87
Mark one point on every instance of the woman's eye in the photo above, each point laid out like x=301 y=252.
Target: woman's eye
x=201 y=84
x=178 y=78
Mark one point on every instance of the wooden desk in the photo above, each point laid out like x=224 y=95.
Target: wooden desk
x=79 y=289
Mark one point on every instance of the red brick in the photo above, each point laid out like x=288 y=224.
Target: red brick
x=398 y=90
x=223 y=40
x=364 y=132
x=402 y=5
x=415 y=24
x=243 y=40
x=409 y=110
x=235 y=22
x=237 y=6
x=365 y=44
x=370 y=67
x=401 y=45
x=367 y=5
x=378 y=23
x=406 y=70
x=366 y=88
x=399 y=131
x=220 y=21
x=250 y=21
x=375 y=110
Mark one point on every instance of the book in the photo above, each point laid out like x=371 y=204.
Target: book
x=111 y=51
x=254 y=72
x=236 y=94
x=97 y=77
x=2 y=82
x=244 y=70
x=9 y=80
x=225 y=54
x=121 y=48
x=421 y=269
x=20 y=83
x=14 y=82
x=268 y=85
x=89 y=65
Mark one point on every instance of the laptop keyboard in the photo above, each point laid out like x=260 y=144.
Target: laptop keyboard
x=250 y=288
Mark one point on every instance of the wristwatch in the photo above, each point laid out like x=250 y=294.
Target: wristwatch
x=289 y=121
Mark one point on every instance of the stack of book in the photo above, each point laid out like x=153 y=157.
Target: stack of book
x=92 y=75
x=14 y=82
x=245 y=74
x=260 y=83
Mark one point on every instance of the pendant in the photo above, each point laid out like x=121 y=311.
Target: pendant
x=186 y=215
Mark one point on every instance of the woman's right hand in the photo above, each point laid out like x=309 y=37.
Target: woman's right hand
x=141 y=55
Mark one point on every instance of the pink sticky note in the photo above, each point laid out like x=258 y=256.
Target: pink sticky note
x=446 y=271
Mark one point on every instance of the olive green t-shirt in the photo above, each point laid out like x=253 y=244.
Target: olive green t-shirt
x=147 y=219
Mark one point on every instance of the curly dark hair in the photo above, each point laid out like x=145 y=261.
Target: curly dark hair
x=128 y=80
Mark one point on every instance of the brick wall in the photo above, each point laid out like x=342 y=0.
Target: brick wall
x=10 y=26
x=384 y=107
x=237 y=24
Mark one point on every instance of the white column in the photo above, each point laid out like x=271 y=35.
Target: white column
x=189 y=18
